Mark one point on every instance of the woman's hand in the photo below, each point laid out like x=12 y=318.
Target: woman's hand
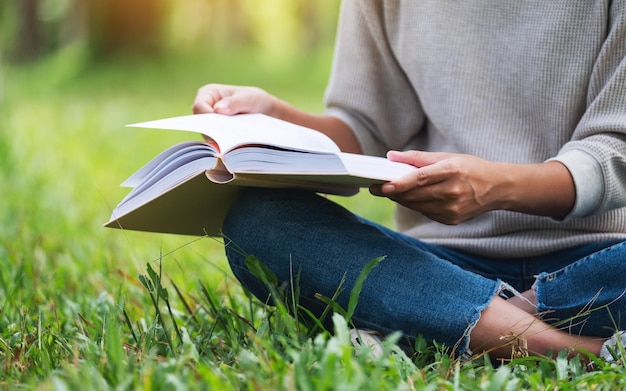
x=451 y=188
x=230 y=100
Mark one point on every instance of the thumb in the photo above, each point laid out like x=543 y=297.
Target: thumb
x=416 y=158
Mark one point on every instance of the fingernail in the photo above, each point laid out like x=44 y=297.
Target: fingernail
x=221 y=107
x=388 y=188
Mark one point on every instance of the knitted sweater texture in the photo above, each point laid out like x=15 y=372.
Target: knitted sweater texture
x=518 y=81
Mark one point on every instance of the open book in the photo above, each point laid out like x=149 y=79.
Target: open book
x=188 y=188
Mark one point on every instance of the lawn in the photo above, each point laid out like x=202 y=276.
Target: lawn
x=84 y=307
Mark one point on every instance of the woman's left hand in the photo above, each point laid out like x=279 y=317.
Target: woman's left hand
x=449 y=188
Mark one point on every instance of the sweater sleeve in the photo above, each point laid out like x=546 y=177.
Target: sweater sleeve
x=596 y=154
x=368 y=89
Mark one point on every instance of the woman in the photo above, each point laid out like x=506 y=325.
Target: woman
x=514 y=225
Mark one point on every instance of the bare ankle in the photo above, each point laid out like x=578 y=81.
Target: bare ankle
x=526 y=301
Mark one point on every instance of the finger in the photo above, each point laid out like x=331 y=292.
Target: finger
x=377 y=190
x=235 y=104
x=417 y=158
x=417 y=181
x=206 y=97
x=244 y=101
x=392 y=188
x=201 y=107
x=425 y=175
x=413 y=195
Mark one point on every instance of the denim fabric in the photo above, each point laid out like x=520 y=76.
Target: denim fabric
x=419 y=288
x=587 y=296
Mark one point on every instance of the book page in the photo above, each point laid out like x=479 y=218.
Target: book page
x=256 y=159
x=195 y=207
x=167 y=158
x=230 y=132
x=374 y=167
x=164 y=180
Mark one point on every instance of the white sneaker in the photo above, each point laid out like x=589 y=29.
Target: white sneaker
x=610 y=348
x=369 y=338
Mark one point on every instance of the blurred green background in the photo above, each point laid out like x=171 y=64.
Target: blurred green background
x=74 y=72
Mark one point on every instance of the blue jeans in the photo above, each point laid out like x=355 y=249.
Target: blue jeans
x=419 y=288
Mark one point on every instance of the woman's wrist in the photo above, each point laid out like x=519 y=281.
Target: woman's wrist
x=334 y=128
x=544 y=189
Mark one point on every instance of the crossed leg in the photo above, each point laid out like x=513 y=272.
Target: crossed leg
x=504 y=322
x=322 y=241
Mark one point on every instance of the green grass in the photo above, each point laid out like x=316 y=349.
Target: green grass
x=83 y=307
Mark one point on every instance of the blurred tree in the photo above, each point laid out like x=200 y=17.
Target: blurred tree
x=125 y=26
x=30 y=42
x=34 y=28
x=233 y=18
x=312 y=28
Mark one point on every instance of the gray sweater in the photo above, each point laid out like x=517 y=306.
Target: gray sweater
x=519 y=81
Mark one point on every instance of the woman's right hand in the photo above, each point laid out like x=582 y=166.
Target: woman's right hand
x=230 y=100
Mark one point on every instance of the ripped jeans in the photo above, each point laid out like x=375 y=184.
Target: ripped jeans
x=419 y=288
